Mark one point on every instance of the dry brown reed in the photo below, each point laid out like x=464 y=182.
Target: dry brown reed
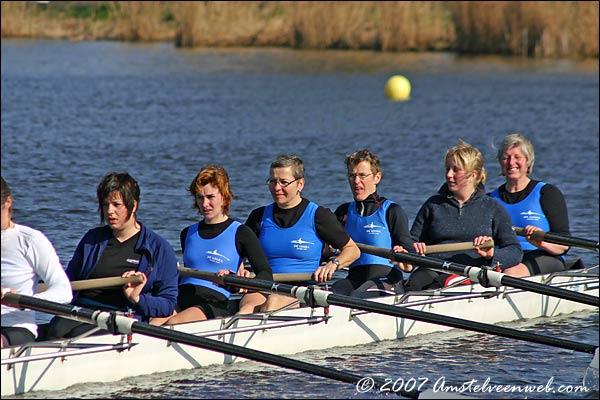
x=526 y=28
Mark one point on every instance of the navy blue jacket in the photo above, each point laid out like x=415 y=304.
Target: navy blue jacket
x=442 y=220
x=159 y=296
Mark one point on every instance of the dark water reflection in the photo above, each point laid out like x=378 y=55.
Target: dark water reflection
x=72 y=111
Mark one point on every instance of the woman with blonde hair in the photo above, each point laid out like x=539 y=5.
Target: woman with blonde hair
x=462 y=212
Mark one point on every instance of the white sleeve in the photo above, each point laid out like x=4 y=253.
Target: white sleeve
x=47 y=266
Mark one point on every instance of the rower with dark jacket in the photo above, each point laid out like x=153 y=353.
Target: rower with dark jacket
x=374 y=220
x=123 y=247
x=293 y=231
x=216 y=244
x=461 y=211
x=532 y=205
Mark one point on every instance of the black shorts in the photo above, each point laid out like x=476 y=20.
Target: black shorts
x=211 y=302
x=539 y=262
x=66 y=328
x=373 y=274
x=17 y=335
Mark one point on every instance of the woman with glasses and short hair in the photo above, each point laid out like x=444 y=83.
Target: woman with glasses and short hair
x=374 y=220
x=293 y=231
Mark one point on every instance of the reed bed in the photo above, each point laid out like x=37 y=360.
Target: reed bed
x=558 y=29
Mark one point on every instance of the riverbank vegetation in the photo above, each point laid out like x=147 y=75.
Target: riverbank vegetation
x=557 y=29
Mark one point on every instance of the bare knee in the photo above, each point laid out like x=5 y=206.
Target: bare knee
x=518 y=271
x=192 y=314
x=158 y=321
x=251 y=303
x=275 y=302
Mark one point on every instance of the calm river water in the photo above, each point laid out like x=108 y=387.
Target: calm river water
x=73 y=111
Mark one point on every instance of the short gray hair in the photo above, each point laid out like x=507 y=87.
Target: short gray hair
x=514 y=140
x=289 y=160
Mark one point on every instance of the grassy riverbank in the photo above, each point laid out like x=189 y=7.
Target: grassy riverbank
x=560 y=29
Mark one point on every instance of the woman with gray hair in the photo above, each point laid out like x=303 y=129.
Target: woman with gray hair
x=533 y=205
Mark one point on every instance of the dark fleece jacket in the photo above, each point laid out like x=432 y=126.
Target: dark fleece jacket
x=442 y=220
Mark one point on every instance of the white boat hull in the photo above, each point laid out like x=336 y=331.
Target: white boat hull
x=344 y=327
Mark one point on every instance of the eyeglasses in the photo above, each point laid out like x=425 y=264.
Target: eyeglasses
x=362 y=177
x=283 y=184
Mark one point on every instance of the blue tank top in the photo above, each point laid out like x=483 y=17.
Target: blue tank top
x=372 y=230
x=526 y=212
x=295 y=249
x=211 y=255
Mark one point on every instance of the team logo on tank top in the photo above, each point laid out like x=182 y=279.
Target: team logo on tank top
x=215 y=257
x=373 y=229
x=300 y=244
x=531 y=215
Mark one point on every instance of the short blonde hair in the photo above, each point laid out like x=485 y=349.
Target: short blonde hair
x=469 y=158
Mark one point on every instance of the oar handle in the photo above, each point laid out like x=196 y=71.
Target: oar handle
x=496 y=278
x=462 y=246
x=298 y=277
x=98 y=283
x=557 y=238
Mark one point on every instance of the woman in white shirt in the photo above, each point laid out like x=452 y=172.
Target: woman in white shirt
x=27 y=257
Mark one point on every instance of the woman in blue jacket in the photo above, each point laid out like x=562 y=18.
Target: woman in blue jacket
x=123 y=247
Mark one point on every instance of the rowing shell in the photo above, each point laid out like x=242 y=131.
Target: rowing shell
x=57 y=365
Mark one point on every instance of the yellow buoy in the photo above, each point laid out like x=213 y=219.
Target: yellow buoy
x=397 y=88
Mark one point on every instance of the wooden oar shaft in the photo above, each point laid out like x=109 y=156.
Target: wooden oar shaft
x=299 y=277
x=462 y=246
x=557 y=238
x=324 y=298
x=98 y=283
x=496 y=278
x=126 y=325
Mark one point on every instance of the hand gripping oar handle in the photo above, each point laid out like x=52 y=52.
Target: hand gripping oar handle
x=316 y=297
x=482 y=275
x=462 y=246
x=98 y=283
x=116 y=323
x=561 y=239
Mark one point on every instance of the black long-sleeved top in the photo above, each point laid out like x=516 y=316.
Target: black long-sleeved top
x=328 y=228
x=552 y=202
x=396 y=218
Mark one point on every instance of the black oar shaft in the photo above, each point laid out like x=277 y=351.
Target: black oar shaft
x=472 y=272
x=565 y=240
x=324 y=298
x=126 y=325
